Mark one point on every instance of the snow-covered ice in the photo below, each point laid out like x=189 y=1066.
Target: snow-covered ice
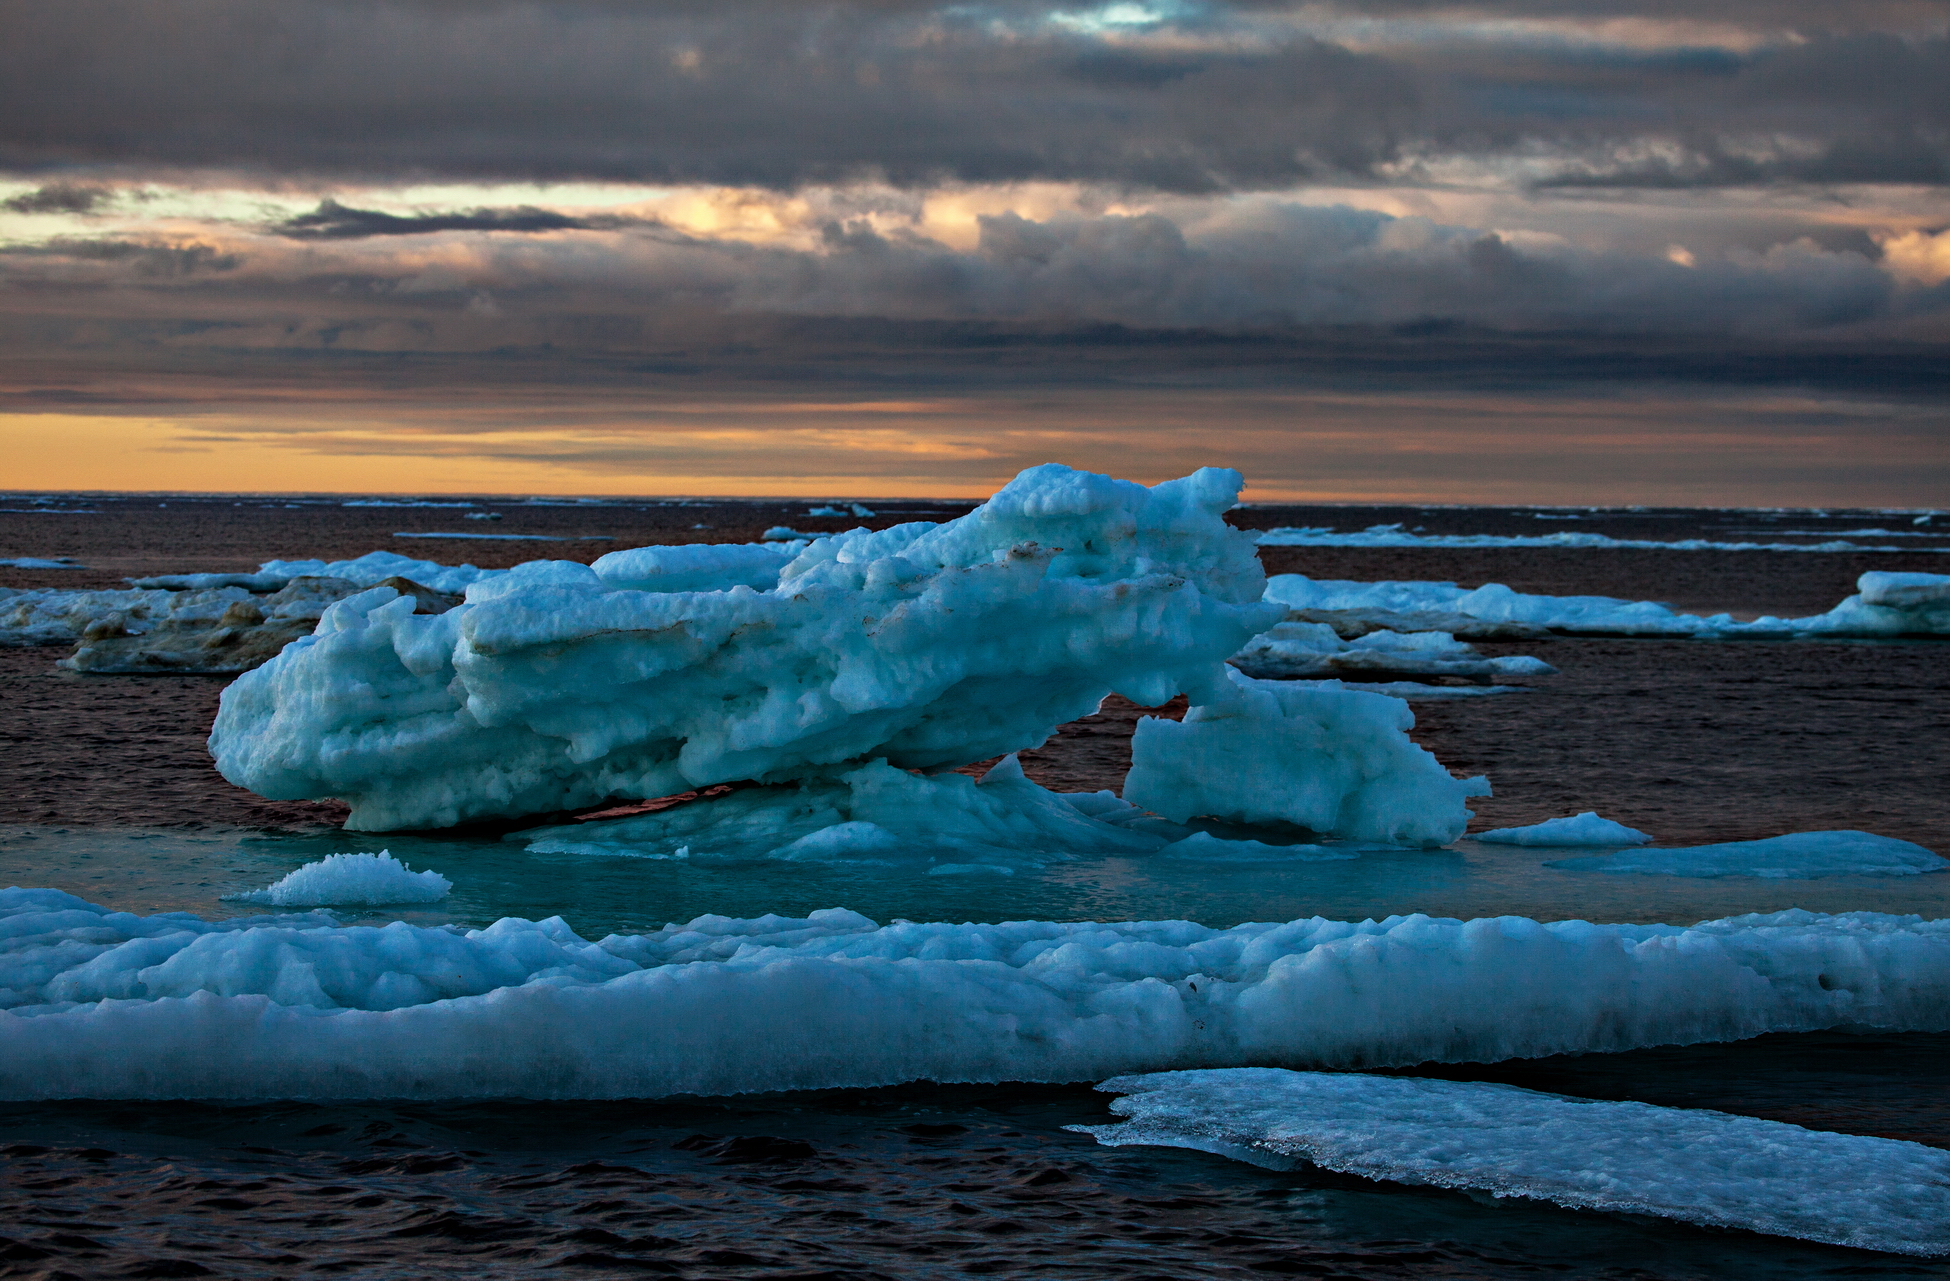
x=1579 y=829
x=368 y=880
x=1796 y=856
x=1296 y=649
x=1691 y=1164
x=1335 y=761
x=1396 y=536
x=107 y=1004
x=925 y=645
x=1885 y=604
x=874 y=814
x=695 y=567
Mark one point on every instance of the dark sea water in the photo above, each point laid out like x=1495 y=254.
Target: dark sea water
x=104 y=792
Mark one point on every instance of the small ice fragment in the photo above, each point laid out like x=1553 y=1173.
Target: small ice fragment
x=368 y=880
x=1796 y=856
x=1581 y=829
x=1691 y=1164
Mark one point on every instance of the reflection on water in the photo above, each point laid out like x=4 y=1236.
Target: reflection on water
x=166 y=871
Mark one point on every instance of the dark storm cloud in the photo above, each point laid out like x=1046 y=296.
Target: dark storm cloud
x=334 y=221
x=1224 y=97
x=58 y=197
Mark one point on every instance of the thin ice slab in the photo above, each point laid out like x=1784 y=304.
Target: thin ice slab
x=1694 y=1165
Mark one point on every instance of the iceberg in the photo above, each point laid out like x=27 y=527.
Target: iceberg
x=1691 y=1164
x=1334 y=761
x=1796 y=856
x=1579 y=829
x=369 y=880
x=110 y=1005
x=927 y=646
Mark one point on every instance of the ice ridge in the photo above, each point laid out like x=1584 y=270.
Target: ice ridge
x=107 y=1004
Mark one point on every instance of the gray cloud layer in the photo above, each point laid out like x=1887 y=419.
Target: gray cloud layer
x=1224 y=97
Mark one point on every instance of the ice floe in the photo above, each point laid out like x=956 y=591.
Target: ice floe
x=1579 y=829
x=1885 y=604
x=1796 y=856
x=1310 y=650
x=41 y=562
x=107 y=1004
x=363 y=571
x=1693 y=1165
x=1331 y=760
x=924 y=645
x=59 y=616
x=1396 y=536
x=368 y=880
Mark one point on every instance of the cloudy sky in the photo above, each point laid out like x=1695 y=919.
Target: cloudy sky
x=1523 y=250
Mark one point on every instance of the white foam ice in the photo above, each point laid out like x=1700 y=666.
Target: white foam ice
x=1579 y=829
x=1692 y=1164
x=368 y=880
x=1396 y=536
x=875 y=814
x=1335 y=761
x=1297 y=649
x=1885 y=604
x=925 y=645
x=107 y=1004
x=1796 y=856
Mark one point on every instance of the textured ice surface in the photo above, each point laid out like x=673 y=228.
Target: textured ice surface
x=923 y=645
x=1301 y=649
x=1885 y=604
x=58 y=616
x=1396 y=536
x=1335 y=761
x=370 y=880
x=872 y=814
x=1694 y=1165
x=246 y=634
x=1579 y=829
x=1797 y=855
x=695 y=567
x=113 y=1005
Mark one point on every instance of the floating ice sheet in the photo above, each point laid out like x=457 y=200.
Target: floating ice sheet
x=41 y=562
x=108 y=1004
x=1396 y=536
x=1693 y=1165
x=1885 y=604
x=1796 y=856
x=1299 y=649
x=368 y=880
x=1579 y=829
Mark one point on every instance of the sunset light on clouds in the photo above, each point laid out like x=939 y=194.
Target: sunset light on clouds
x=1605 y=253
